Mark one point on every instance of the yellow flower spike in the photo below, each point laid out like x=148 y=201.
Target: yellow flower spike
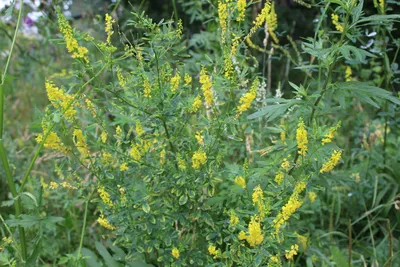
x=188 y=79
x=348 y=74
x=80 y=143
x=162 y=157
x=241 y=7
x=279 y=177
x=212 y=250
x=181 y=162
x=175 y=80
x=105 y=223
x=335 y=21
x=120 y=77
x=328 y=137
x=52 y=140
x=196 y=104
x=312 y=196
x=260 y=19
x=53 y=185
x=91 y=107
x=179 y=30
x=248 y=98
x=118 y=131
x=258 y=195
x=71 y=43
x=242 y=235
x=175 y=253
x=255 y=236
x=240 y=181
x=199 y=158
x=139 y=128
x=200 y=138
x=285 y=164
x=60 y=100
x=332 y=162
x=105 y=196
x=272 y=23
x=108 y=29
x=123 y=167
x=103 y=136
x=301 y=137
x=206 y=86
x=135 y=152
x=146 y=88
x=223 y=17
x=292 y=252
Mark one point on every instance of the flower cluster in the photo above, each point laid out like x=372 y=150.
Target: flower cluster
x=292 y=252
x=240 y=181
x=335 y=21
x=331 y=134
x=175 y=80
x=206 y=87
x=241 y=7
x=108 y=29
x=223 y=17
x=61 y=101
x=105 y=196
x=199 y=158
x=80 y=143
x=332 y=162
x=246 y=100
x=301 y=137
x=105 y=223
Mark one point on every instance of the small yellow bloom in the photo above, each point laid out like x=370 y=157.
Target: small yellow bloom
x=272 y=23
x=162 y=157
x=292 y=252
x=146 y=88
x=91 y=108
x=139 y=128
x=335 y=21
x=196 y=104
x=241 y=6
x=212 y=250
x=242 y=235
x=60 y=100
x=255 y=236
x=348 y=74
x=175 y=80
x=301 y=137
x=199 y=137
x=248 y=98
x=285 y=164
x=80 y=143
x=332 y=162
x=188 y=79
x=312 y=196
x=105 y=196
x=175 y=253
x=109 y=30
x=279 y=177
x=123 y=167
x=135 y=152
x=105 y=223
x=7 y=240
x=53 y=185
x=103 y=136
x=223 y=17
x=240 y=181
x=181 y=162
x=120 y=77
x=199 y=158
x=328 y=137
x=206 y=87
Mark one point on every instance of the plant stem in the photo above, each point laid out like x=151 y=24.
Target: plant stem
x=3 y=154
x=175 y=10
x=84 y=225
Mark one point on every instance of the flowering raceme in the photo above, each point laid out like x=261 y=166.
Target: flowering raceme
x=335 y=21
x=206 y=87
x=241 y=6
x=223 y=16
x=105 y=223
x=332 y=162
x=255 y=236
x=301 y=137
x=246 y=100
x=328 y=137
x=80 y=143
x=175 y=80
x=240 y=181
x=61 y=101
x=199 y=158
x=108 y=29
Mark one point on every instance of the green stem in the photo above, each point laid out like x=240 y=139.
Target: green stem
x=17 y=200
x=3 y=154
x=37 y=152
x=84 y=225
x=175 y=10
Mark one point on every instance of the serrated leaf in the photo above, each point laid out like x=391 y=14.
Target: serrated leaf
x=271 y=112
x=106 y=255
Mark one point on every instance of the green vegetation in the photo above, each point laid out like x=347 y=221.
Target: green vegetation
x=200 y=133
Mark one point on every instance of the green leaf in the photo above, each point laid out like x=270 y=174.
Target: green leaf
x=146 y=207
x=350 y=52
x=106 y=255
x=338 y=257
x=273 y=111
x=28 y=221
x=183 y=199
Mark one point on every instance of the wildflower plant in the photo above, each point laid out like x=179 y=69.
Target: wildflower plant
x=202 y=166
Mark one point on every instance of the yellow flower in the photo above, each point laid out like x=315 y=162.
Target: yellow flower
x=123 y=167
x=303 y=241
x=348 y=74
x=382 y=5
x=120 y=77
x=118 y=131
x=312 y=196
x=61 y=101
x=199 y=158
x=356 y=177
x=179 y=30
x=258 y=195
x=162 y=157
x=332 y=162
x=328 y=137
x=301 y=137
x=135 y=152
x=103 y=136
x=188 y=79
x=147 y=88
x=290 y=207
x=175 y=253
x=223 y=16
x=109 y=30
x=241 y=6
x=255 y=236
x=106 y=158
x=206 y=87
x=285 y=164
x=68 y=185
x=80 y=143
x=292 y=252
x=279 y=177
x=260 y=19
x=212 y=250
x=199 y=137
x=71 y=43
x=335 y=21
x=242 y=235
x=274 y=261
x=52 y=140
x=272 y=22
x=246 y=100
x=233 y=218
x=53 y=185
x=240 y=181
x=105 y=223
x=196 y=104
x=105 y=196
x=7 y=240
x=91 y=108
x=175 y=80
